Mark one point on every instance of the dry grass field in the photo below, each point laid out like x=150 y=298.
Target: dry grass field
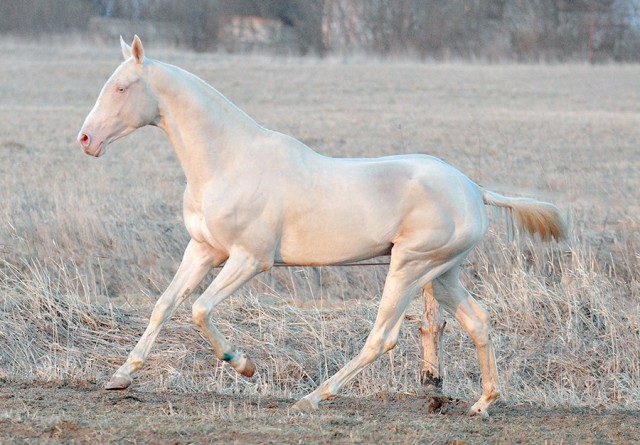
x=87 y=245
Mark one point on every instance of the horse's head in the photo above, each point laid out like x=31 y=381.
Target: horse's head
x=126 y=103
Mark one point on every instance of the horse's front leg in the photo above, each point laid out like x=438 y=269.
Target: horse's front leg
x=197 y=261
x=239 y=268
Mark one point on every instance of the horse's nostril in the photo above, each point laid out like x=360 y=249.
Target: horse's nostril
x=84 y=139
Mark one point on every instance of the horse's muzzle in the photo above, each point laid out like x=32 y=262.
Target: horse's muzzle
x=85 y=141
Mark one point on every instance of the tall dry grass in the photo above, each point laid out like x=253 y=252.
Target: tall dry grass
x=87 y=245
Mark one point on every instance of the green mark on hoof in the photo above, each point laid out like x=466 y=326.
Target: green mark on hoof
x=227 y=357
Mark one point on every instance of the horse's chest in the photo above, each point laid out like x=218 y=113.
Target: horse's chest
x=208 y=229
x=216 y=221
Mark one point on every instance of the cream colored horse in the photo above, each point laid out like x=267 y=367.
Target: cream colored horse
x=255 y=197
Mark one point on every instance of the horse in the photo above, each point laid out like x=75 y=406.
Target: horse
x=255 y=198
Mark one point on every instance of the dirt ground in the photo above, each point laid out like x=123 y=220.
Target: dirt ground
x=84 y=413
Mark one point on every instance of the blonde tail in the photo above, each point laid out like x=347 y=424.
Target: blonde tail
x=534 y=216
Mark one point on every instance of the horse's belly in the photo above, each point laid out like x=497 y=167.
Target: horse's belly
x=335 y=237
x=318 y=251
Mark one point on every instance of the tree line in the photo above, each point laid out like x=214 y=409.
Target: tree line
x=526 y=30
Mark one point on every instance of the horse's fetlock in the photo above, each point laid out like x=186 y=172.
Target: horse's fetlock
x=136 y=360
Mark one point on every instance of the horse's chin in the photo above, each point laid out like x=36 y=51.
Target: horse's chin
x=100 y=150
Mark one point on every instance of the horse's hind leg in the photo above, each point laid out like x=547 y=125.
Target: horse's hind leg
x=431 y=329
x=403 y=280
x=450 y=292
x=382 y=338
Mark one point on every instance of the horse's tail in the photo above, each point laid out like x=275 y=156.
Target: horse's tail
x=534 y=216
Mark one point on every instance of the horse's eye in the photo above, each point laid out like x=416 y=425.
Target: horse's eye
x=121 y=89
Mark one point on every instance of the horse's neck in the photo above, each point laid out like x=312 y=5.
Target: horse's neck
x=204 y=127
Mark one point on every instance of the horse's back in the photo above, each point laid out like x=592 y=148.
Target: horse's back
x=346 y=209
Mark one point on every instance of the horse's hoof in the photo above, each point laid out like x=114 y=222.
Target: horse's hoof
x=303 y=406
x=118 y=382
x=249 y=368
x=244 y=366
x=479 y=409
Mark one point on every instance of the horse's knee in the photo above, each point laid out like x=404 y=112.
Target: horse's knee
x=390 y=342
x=379 y=343
x=200 y=314
x=160 y=313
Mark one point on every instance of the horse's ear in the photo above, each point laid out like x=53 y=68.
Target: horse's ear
x=137 y=50
x=126 y=49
